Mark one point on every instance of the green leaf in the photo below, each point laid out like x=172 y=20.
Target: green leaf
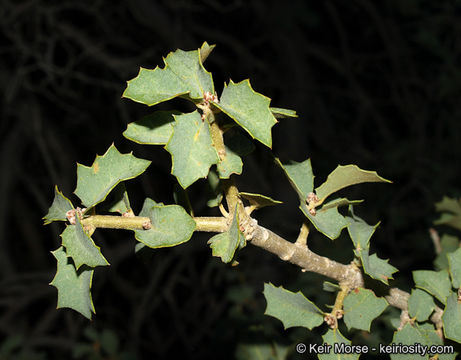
x=344 y=176
x=340 y=202
x=335 y=339
x=225 y=244
x=330 y=287
x=420 y=305
x=191 y=148
x=377 y=268
x=154 y=129
x=448 y=243
x=80 y=247
x=449 y=220
x=300 y=176
x=231 y=164
x=61 y=205
x=410 y=336
x=261 y=352
x=237 y=145
x=205 y=51
x=361 y=306
x=436 y=283
x=454 y=259
x=249 y=109
x=171 y=225
x=292 y=309
x=360 y=232
x=280 y=113
x=95 y=183
x=73 y=286
x=258 y=200
x=183 y=74
x=329 y=222
x=118 y=200
x=449 y=205
x=215 y=193
x=452 y=318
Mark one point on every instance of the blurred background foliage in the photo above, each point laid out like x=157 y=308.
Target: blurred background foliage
x=374 y=83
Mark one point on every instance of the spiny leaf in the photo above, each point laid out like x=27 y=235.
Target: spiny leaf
x=261 y=351
x=411 y=335
x=452 y=318
x=448 y=243
x=292 y=309
x=258 y=200
x=344 y=176
x=329 y=222
x=249 y=109
x=73 y=286
x=61 y=205
x=183 y=74
x=154 y=129
x=454 y=260
x=171 y=225
x=334 y=338
x=360 y=232
x=191 y=148
x=377 y=268
x=81 y=247
x=118 y=200
x=449 y=205
x=340 y=202
x=205 y=51
x=215 y=194
x=280 y=113
x=420 y=305
x=94 y=183
x=236 y=145
x=436 y=283
x=361 y=306
x=231 y=164
x=300 y=176
x=225 y=244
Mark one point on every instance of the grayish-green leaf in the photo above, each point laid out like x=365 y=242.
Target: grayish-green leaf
x=261 y=351
x=361 y=306
x=409 y=335
x=340 y=202
x=249 y=109
x=183 y=74
x=280 y=113
x=60 y=206
x=191 y=148
x=73 y=286
x=436 y=283
x=258 y=200
x=300 y=176
x=452 y=318
x=171 y=225
x=94 y=183
x=292 y=309
x=215 y=193
x=225 y=244
x=454 y=260
x=335 y=338
x=420 y=305
x=344 y=176
x=329 y=222
x=231 y=164
x=377 y=268
x=80 y=247
x=154 y=129
x=118 y=200
x=448 y=243
x=360 y=232
x=330 y=287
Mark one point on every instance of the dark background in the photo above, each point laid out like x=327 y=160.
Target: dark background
x=376 y=84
